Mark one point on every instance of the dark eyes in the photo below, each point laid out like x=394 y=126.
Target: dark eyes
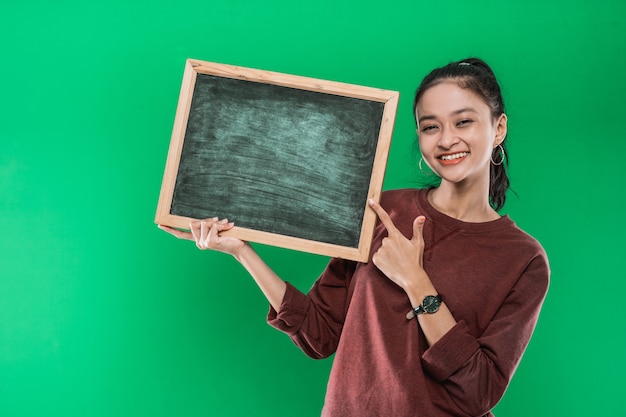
x=429 y=127
x=460 y=123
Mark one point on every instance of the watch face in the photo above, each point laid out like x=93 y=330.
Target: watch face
x=431 y=303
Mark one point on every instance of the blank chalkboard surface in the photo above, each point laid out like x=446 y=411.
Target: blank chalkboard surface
x=290 y=160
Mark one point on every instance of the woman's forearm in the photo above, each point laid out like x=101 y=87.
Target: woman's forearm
x=272 y=286
x=433 y=325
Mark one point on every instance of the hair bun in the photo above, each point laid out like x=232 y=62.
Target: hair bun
x=478 y=63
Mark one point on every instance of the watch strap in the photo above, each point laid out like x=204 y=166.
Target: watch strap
x=416 y=311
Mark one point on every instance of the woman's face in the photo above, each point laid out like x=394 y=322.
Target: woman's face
x=457 y=132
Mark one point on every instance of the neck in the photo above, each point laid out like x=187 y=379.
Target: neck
x=465 y=203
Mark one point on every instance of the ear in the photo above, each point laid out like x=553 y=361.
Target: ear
x=501 y=129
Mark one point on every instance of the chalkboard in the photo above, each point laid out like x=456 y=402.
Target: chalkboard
x=290 y=160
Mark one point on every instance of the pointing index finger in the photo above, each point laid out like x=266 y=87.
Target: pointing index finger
x=383 y=216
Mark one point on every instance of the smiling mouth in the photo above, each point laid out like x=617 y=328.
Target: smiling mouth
x=453 y=156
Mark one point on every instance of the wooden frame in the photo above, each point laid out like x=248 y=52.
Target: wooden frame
x=386 y=101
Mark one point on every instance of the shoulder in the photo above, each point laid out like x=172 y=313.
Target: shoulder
x=527 y=247
x=391 y=198
x=523 y=238
x=401 y=203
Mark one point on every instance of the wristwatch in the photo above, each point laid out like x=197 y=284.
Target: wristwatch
x=430 y=305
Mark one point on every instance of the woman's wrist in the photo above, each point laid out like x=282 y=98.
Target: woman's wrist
x=244 y=253
x=418 y=289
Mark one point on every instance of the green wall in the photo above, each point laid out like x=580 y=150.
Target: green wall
x=102 y=314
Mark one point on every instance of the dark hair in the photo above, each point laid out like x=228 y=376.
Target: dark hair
x=476 y=75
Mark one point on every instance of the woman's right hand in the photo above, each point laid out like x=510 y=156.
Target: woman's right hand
x=206 y=234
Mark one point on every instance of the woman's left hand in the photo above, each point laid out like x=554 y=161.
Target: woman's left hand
x=400 y=258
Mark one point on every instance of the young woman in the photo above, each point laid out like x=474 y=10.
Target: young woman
x=437 y=322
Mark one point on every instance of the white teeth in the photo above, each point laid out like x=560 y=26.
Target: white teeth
x=454 y=156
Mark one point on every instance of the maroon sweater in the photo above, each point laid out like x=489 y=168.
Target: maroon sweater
x=492 y=276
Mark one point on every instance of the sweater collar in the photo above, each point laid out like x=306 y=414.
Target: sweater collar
x=451 y=223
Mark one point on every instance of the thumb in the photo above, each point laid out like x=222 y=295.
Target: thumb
x=418 y=227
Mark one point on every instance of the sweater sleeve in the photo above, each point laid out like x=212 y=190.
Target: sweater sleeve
x=476 y=371
x=314 y=321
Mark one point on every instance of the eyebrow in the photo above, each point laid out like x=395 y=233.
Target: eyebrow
x=454 y=113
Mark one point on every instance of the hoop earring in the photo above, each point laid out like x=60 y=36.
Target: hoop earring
x=426 y=173
x=501 y=156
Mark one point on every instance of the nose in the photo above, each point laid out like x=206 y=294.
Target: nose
x=448 y=138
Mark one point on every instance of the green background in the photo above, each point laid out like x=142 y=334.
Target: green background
x=102 y=314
